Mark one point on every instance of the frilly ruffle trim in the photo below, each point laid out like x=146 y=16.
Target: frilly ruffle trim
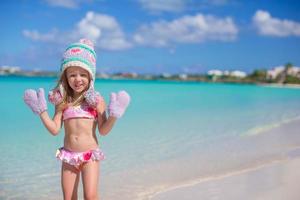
x=77 y=158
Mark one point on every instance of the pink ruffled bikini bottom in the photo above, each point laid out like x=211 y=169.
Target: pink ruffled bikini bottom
x=78 y=158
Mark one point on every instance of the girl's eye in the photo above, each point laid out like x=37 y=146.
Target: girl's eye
x=71 y=75
x=84 y=75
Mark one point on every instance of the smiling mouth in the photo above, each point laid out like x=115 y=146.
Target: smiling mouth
x=78 y=86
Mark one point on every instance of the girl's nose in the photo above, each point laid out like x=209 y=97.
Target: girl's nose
x=77 y=77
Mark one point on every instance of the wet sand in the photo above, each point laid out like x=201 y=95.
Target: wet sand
x=274 y=181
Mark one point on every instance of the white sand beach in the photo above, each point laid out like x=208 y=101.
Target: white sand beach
x=275 y=181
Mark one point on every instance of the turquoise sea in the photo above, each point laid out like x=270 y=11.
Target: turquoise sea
x=172 y=132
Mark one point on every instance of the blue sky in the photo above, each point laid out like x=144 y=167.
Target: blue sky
x=153 y=36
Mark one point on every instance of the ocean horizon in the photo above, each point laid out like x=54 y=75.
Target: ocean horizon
x=173 y=134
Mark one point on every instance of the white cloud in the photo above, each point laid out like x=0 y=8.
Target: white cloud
x=104 y=30
x=267 y=25
x=163 y=5
x=107 y=33
x=36 y=36
x=188 y=29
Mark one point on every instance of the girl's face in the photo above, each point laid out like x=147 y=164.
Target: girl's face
x=78 y=79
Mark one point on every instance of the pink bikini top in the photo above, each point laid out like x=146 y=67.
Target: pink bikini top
x=81 y=111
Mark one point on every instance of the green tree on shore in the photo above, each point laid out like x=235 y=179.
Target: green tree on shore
x=283 y=77
x=258 y=75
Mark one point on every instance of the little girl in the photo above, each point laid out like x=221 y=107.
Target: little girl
x=81 y=109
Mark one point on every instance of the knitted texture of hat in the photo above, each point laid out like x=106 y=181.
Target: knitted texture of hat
x=80 y=54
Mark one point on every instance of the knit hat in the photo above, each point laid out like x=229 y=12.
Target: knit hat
x=80 y=54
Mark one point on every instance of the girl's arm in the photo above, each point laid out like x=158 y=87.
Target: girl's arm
x=104 y=124
x=117 y=106
x=53 y=125
x=37 y=102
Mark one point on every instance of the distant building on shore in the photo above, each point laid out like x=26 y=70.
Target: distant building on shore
x=183 y=76
x=235 y=73
x=215 y=72
x=9 y=70
x=238 y=74
x=277 y=71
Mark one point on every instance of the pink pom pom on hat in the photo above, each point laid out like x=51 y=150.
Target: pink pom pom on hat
x=80 y=54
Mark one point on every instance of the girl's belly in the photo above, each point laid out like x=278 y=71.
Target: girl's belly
x=80 y=135
x=79 y=143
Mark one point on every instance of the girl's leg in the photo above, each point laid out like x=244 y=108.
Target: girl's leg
x=70 y=176
x=90 y=177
